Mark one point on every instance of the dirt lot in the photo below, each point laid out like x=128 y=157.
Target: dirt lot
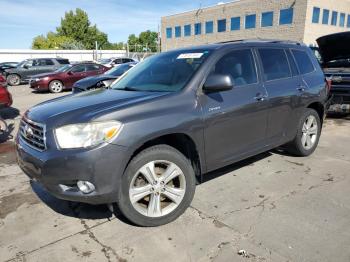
x=274 y=206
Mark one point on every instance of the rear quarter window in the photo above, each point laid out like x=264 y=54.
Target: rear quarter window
x=275 y=63
x=63 y=61
x=303 y=61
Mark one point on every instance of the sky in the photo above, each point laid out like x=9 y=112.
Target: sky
x=22 y=20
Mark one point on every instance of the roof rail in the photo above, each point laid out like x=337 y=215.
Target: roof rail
x=261 y=40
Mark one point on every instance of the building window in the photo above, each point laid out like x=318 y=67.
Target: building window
x=250 y=21
x=209 y=27
x=325 y=17
x=348 y=23
x=334 y=19
x=222 y=25
x=235 y=23
x=197 y=28
x=342 y=20
x=267 y=19
x=177 y=31
x=169 y=32
x=286 y=16
x=316 y=15
x=187 y=30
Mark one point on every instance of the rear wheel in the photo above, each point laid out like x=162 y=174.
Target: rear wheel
x=157 y=186
x=308 y=134
x=56 y=86
x=13 y=80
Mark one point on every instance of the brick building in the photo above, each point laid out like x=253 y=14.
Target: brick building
x=298 y=20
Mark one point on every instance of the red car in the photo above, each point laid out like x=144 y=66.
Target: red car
x=65 y=77
x=5 y=96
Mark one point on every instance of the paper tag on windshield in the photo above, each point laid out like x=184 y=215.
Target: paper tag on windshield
x=190 y=55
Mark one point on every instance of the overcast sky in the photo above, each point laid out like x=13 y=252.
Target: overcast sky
x=22 y=20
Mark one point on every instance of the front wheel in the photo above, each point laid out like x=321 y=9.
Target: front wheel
x=13 y=80
x=56 y=86
x=308 y=134
x=157 y=186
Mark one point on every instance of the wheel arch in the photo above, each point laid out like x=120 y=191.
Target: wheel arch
x=319 y=108
x=180 y=141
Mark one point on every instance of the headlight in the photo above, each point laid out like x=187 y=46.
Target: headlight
x=86 y=135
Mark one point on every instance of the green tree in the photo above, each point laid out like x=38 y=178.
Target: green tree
x=146 y=41
x=77 y=26
x=52 y=41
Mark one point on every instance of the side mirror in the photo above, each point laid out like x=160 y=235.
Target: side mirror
x=70 y=73
x=26 y=66
x=217 y=83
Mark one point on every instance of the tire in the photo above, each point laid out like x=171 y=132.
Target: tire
x=56 y=86
x=13 y=79
x=308 y=135
x=143 y=212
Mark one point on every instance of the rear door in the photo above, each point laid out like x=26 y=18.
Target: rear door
x=235 y=120
x=282 y=82
x=93 y=69
x=76 y=73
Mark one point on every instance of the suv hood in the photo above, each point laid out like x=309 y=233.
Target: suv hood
x=85 y=106
x=334 y=46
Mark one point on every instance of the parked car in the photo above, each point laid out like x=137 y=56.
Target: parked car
x=7 y=65
x=65 y=77
x=30 y=67
x=5 y=95
x=103 y=80
x=335 y=59
x=110 y=62
x=147 y=140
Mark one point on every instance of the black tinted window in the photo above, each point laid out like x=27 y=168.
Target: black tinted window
x=92 y=67
x=63 y=61
x=275 y=63
x=292 y=64
x=45 y=62
x=303 y=60
x=240 y=65
x=78 y=69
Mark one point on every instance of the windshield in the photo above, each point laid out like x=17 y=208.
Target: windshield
x=118 y=70
x=64 y=68
x=166 y=72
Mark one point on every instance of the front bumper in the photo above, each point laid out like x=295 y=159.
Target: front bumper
x=41 y=85
x=59 y=170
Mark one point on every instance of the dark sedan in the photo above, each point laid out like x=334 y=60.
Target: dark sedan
x=65 y=77
x=103 y=80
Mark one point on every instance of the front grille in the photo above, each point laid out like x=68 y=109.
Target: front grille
x=33 y=134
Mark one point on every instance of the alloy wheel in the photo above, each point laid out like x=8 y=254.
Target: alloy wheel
x=157 y=188
x=56 y=86
x=309 y=132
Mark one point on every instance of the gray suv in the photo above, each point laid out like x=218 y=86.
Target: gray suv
x=29 y=67
x=145 y=142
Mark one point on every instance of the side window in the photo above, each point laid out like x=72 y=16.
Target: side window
x=29 y=63
x=275 y=64
x=63 y=61
x=292 y=64
x=118 y=61
x=45 y=62
x=303 y=61
x=92 y=67
x=78 y=69
x=240 y=65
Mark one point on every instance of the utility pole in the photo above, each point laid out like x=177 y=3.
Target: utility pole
x=96 y=48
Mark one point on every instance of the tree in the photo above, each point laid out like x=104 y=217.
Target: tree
x=78 y=27
x=146 y=41
x=52 y=41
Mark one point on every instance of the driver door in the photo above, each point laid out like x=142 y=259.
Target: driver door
x=235 y=120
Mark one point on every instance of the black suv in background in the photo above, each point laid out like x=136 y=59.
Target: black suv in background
x=147 y=140
x=334 y=52
x=29 y=67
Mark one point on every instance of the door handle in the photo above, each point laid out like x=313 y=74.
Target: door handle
x=260 y=97
x=301 y=88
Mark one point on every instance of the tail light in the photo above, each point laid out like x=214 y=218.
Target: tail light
x=329 y=84
x=2 y=81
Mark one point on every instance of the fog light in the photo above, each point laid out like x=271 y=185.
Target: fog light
x=85 y=186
